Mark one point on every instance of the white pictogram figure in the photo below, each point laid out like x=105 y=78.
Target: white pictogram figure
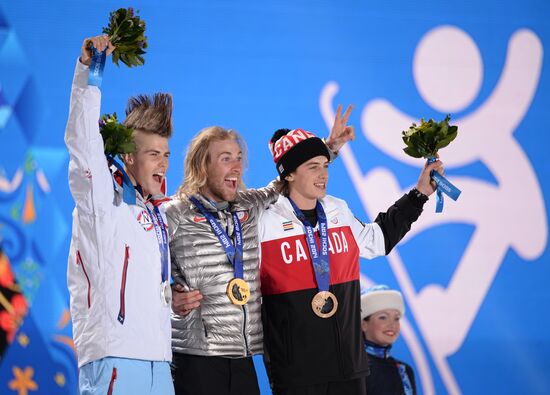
x=508 y=215
x=7 y=186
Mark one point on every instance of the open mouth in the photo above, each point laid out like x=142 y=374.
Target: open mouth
x=158 y=177
x=320 y=185
x=230 y=182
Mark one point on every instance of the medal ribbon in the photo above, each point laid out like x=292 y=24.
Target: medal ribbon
x=443 y=186
x=96 y=67
x=128 y=191
x=319 y=256
x=162 y=239
x=234 y=252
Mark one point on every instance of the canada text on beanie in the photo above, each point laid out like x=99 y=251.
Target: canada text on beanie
x=291 y=148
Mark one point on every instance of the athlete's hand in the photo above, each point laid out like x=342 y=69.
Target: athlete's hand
x=425 y=183
x=99 y=43
x=184 y=301
x=340 y=133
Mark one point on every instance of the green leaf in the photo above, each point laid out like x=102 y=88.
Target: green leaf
x=426 y=139
x=445 y=142
x=412 y=152
x=117 y=138
x=127 y=33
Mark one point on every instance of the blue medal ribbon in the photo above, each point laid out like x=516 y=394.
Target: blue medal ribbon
x=407 y=387
x=96 y=67
x=319 y=256
x=234 y=252
x=443 y=186
x=162 y=238
x=128 y=190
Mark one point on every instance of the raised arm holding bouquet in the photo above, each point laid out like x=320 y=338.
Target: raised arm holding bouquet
x=424 y=141
x=119 y=263
x=124 y=37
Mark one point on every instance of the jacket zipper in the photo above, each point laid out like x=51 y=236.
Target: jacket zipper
x=204 y=326
x=247 y=351
x=112 y=382
x=338 y=334
x=80 y=262
x=122 y=311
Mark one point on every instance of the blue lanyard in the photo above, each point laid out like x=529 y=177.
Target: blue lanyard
x=384 y=353
x=234 y=252
x=444 y=186
x=319 y=259
x=95 y=77
x=128 y=190
x=162 y=238
x=407 y=387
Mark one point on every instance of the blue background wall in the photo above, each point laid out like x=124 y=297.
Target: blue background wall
x=474 y=278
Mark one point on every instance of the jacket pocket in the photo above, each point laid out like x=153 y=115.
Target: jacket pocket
x=287 y=338
x=279 y=342
x=80 y=262
x=112 y=382
x=122 y=310
x=338 y=335
x=205 y=328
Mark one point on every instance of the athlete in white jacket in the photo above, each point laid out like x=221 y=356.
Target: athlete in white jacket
x=118 y=267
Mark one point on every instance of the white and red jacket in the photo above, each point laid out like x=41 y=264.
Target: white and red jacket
x=114 y=268
x=302 y=348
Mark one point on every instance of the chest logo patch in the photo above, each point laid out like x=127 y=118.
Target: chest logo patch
x=243 y=216
x=199 y=218
x=145 y=220
x=288 y=225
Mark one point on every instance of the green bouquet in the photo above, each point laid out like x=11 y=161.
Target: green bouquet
x=117 y=138
x=126 y=32
x=427 y=138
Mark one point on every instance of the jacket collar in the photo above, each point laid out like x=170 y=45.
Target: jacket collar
x=211 y=205
x=376 y=350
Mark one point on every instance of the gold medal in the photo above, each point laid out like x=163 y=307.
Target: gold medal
x=238 y=291
x=324 y=304
x=166 y=293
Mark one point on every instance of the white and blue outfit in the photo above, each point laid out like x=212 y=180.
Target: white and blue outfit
x=121 y=324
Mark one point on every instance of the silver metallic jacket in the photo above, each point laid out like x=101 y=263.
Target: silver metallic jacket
x=217 y=327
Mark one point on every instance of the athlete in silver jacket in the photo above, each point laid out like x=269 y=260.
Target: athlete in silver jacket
x=218 y=327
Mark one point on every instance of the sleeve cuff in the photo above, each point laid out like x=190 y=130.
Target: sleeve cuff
x=81 y=73
x=333 y=155
x=417 y=198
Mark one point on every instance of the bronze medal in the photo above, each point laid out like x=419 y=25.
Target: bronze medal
x=324 y=304
x=238 y=291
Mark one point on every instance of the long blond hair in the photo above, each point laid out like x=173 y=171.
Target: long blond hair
x=197 y=158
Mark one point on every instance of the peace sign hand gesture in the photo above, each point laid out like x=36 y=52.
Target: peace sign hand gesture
x=340 y=133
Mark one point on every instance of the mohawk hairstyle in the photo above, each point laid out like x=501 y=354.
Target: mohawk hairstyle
x=152 y=114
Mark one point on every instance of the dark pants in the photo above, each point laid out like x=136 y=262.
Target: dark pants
x=197 y=375
x=349 y=387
